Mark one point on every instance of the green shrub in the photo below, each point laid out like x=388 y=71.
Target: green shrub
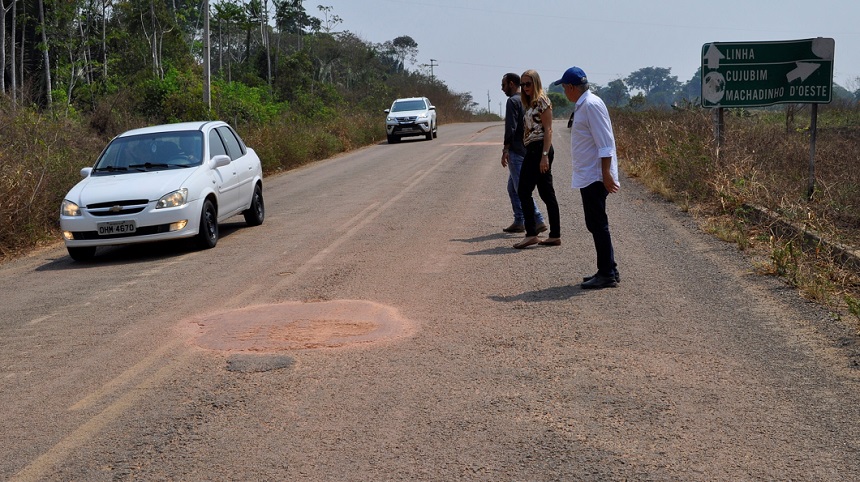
x=239 y=104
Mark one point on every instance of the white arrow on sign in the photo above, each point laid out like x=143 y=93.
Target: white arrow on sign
x=802 y=71
x=713 y=56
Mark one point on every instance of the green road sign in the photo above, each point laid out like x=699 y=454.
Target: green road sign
x=755 y=74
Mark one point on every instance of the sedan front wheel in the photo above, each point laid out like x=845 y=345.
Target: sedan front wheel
x=207 y=237
x=257 y=212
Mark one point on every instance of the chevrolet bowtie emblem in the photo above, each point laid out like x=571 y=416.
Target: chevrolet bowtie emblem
x=115 y=209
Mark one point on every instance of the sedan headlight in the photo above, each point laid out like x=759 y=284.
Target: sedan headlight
x=69 y=208
x=172 y=200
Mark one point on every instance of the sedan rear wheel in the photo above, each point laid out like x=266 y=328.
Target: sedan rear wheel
x=207 y=237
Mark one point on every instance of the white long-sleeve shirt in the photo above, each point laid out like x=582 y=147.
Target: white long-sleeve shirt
x=591 y=138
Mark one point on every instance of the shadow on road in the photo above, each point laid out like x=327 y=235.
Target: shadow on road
x=481 y=239
x=508 y=249
x=556 y=293
x=135 y=253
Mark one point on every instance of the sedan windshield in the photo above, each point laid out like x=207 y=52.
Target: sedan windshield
x=408 y=105
x=164 y=150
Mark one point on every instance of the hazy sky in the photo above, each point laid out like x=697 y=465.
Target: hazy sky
x=474 y=42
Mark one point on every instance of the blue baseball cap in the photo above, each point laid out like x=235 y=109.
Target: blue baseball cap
x=572 y=76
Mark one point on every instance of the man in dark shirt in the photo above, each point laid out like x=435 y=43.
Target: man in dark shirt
x=514 y=151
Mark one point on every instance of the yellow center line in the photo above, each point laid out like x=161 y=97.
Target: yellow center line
x=369 y=215
x=128 y=375
x=39 y=468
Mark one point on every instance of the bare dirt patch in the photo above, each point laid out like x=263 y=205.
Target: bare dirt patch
x=299 y=326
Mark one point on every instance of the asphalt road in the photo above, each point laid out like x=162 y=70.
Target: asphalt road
x=379 y=326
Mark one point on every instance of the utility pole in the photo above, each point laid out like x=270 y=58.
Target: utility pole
x=207 y=80
x=431 y=65
x=488 y=102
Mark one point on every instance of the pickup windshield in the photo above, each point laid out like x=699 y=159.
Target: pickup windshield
x=407 y=105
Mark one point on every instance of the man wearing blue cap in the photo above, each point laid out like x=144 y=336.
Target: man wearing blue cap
x=595 y=170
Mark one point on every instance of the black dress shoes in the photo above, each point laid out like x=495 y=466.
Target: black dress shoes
x=599 y=282
x=617 y=277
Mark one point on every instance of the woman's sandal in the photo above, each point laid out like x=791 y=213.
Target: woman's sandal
x=525 y=243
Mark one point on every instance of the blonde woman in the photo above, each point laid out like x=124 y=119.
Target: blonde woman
x=537 y=164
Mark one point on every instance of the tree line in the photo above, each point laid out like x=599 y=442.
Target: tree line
x=656 y=87
x=269 y=58
x=145 y=57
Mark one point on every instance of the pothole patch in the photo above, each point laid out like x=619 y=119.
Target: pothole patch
x=254 y=363
x=300 y=326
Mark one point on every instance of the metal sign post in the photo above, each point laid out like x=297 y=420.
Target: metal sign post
x=813 y=127
x=719 y=130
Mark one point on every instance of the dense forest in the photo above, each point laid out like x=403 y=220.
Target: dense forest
x=144 y=58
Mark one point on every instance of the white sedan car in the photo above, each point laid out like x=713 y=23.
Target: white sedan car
x=163 y=182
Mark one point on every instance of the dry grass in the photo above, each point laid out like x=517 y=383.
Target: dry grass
x=763 y=162
x=40 y=159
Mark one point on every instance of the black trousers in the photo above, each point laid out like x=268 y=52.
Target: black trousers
x=594 y=205
x=531 y=177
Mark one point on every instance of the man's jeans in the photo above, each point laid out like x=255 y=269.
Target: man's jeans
x=515 y=164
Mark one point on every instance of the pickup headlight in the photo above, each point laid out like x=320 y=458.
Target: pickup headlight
x=172 y=200
x=69 y=208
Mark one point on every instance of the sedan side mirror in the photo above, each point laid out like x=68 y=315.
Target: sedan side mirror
x=85 y=172
x=220 y=160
